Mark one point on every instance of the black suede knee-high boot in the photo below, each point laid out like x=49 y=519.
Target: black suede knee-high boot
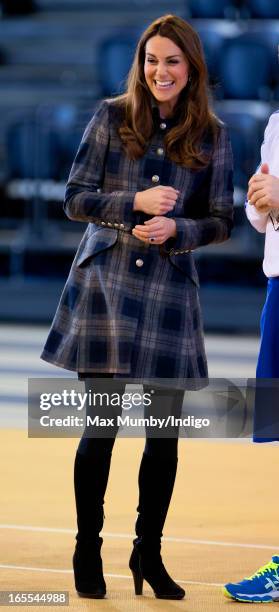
x=90 y=478
x=156 y=482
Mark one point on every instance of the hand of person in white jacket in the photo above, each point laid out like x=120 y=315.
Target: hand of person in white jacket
x=263 y=190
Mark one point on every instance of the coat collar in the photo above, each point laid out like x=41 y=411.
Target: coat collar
x=169 y=121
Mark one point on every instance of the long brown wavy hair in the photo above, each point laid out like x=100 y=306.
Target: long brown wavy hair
x=184 y=141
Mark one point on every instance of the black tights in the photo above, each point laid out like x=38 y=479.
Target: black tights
x=156 y=478
x=158 y=448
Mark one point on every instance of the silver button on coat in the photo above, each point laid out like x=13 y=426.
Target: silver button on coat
x=139 y=263
x=155 y=178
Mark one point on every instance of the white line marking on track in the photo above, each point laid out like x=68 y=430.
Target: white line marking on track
x=35 y=569
x=35 y=528
x=69 y=571
x=274 y=547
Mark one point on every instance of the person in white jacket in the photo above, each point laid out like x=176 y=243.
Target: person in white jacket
x=262 y=209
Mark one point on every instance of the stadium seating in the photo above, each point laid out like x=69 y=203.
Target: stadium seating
x=116 y=54
x=213 y=33
x=267 y=32
x=246 y=122
x=245 y=68
x=43 y=145
x=213 y=9
x=264 y=9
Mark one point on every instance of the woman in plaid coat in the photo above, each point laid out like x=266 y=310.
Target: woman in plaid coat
x=153 y=179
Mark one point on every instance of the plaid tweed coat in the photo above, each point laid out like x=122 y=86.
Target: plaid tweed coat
x=129 y=307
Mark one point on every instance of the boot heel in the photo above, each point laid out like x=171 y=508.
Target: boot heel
x=151 y=568
x=138 y=581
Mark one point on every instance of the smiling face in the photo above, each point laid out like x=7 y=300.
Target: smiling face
x=166 y=72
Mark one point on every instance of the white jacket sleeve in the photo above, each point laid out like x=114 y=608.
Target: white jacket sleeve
x=269 y=150
x=256 y=218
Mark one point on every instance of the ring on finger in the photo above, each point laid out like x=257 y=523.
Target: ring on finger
x=151 y=239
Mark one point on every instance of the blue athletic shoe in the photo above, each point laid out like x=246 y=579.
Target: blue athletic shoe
x=262 y=587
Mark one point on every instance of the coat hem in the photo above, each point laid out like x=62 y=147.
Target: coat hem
x=86 y=370
x=56 y=363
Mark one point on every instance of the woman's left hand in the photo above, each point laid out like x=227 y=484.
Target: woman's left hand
x=156 y=230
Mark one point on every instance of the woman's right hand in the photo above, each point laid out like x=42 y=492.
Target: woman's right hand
x=156 y=200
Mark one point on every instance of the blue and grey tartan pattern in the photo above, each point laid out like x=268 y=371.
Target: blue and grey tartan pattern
x=117 y=316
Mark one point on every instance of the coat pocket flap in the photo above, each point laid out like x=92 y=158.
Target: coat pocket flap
x=185 y=263
x=100 y=240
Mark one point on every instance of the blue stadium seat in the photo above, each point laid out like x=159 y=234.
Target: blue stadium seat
x=67 y=125
x=264 y=9
x=116 y=55
x=43 y=145
x=245 y=68
x=246 y=122
x=213 y=33
x=30 y=150
x=212 y=9
x=267 y=32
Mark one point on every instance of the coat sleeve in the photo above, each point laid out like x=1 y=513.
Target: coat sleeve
x=217 y=225
x=256 y=218
x=84 y=200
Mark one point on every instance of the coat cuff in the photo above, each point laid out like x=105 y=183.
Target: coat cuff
x=122 y=209
x=182 y=243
